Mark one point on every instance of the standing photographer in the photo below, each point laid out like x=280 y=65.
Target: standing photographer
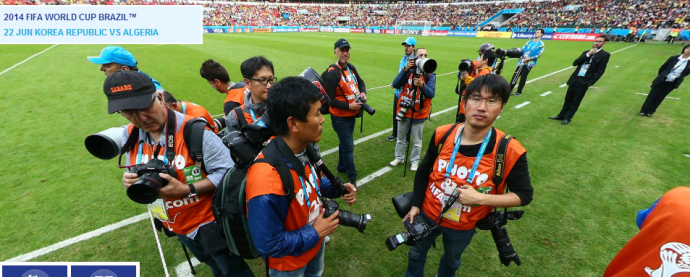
x=531 y=52
x=258 y=75
x=347 y=92
x=409 y=45
x=418 y=89
x=186 y=199
x=219 y=79
x=671 y=75
x=289 y=230
x=114 y=58
x=481 y=67
x=465 y=165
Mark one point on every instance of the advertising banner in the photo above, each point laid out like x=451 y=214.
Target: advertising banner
x=327 y=29
x=356 y=30
x=411 y=32
x=467 y=34
x=262 y=30
x=285 y=29
x=309 y=30
x=341 y=30
x=574 y=37
x=243 y=30
x=435 y=33
x=392 y=32
x=493 y=34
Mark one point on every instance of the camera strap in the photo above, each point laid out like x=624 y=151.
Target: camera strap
x=290 y=157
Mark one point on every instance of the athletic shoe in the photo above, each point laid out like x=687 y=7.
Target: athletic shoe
x=392 y=138
x=327 y=239
x=414 y=166
x=396 y=162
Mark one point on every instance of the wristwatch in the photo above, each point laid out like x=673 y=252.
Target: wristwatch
x=192 y=190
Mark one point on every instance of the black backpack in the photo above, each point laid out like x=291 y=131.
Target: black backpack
x=230 y=203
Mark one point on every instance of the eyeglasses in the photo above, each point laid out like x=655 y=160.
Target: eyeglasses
x=132 y=112
x=476 y=100
x=263 y=82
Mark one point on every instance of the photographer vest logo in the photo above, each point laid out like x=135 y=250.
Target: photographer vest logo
x=675 y=259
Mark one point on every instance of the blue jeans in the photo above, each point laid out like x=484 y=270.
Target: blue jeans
x=345 y=128
x=313 y=269
x=454 y=243
x=226 y=264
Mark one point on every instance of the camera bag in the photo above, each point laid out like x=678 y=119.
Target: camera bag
x=229 y=203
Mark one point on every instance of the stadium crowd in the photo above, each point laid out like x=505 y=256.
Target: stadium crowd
x=545 y=14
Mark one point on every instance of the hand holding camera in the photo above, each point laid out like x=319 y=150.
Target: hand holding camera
x=326 y=225
x=351 y=196
x=414 y=211
x=354 y=106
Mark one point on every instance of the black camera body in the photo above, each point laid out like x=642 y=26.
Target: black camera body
x=346 y=218
x=465 y=65
x=416 y=231
x=246 y=143
x=146 y=189
x=512 y=53
x=365 y=106
x=496 y=221
x=405 y=107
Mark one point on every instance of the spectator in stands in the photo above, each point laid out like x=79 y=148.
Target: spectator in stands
x=530 y=53
x=114 y=58
x=591 y=65
x=671 y=74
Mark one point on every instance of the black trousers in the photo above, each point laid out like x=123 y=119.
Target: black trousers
x=524 y=71
x=395 y=122
x=573 y=98
x=656 y=96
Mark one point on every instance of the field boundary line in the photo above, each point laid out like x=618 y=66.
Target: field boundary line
x=27 y=59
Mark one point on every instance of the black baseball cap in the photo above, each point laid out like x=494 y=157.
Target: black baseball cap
x=341 y=43
x=128 y=89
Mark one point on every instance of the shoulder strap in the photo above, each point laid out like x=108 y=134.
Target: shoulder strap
x=445 y=137
x=240 y=117
x=499 y=163
x=131 y=140
x=194 y=137
x=273 y=157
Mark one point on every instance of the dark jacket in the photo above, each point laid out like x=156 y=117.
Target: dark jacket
x=596 y=68
x=666 y=68
x=332 y=80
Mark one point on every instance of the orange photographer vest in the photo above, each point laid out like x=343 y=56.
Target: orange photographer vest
x=262 y=179
x=663 y=244
x=346 y=91
x=184 y=214
x=196 y=111
x=421 y=109
x=236 y=95
x=462 y=217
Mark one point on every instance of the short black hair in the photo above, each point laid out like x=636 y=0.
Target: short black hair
x=606 y=38
x=254 y=64
x=540 y=29
x=686 y=47
x=489 y=55
x=212 y=70
x=168 y=98
x=494 y=83
x=291 y=97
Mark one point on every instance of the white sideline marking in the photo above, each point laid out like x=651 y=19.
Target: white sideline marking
x=546 y=93
x=82 y=237
x=27 y=59
x=111 y=227
x=373 y=176
x=562 y=86
x=667 y=97
x=687 y=155
x=183 y=269
x=522 y=105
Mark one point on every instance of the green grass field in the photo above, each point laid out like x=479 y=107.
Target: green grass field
x=590 y=177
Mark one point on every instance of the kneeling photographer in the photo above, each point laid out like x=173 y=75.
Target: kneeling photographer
x=460 y=184
x=418 y=83
x=163 y=173
x=288 y=227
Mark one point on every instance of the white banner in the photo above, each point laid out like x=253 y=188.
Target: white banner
x=132 y=24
